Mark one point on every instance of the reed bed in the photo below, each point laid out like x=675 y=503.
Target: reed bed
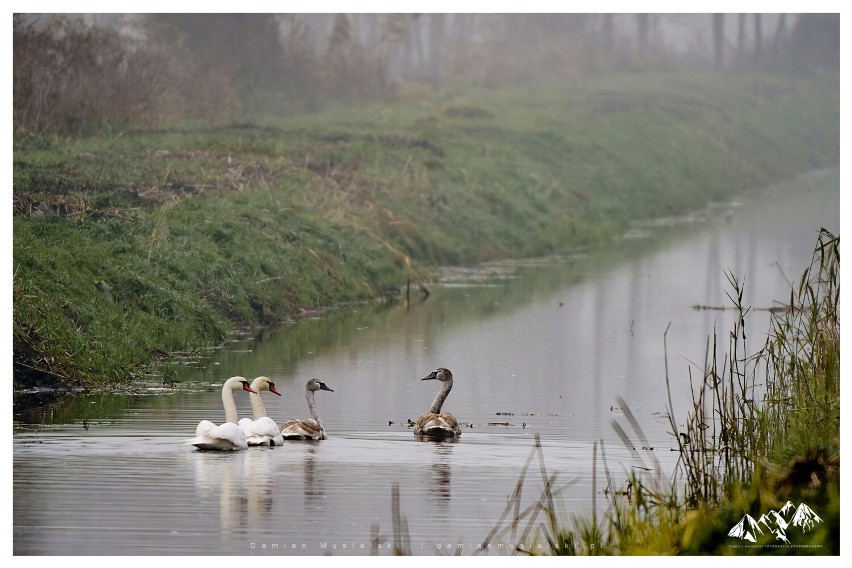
x=751 y=409
x=763 y=429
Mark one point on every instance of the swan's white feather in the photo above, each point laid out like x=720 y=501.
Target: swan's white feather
x=224 y=437
x=261 y=432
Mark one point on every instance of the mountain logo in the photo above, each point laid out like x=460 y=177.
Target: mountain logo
x=746 y=529
x=805 y=518
x=778 y=523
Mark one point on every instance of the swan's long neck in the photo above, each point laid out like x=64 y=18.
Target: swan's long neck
x=229 y=404
x=442 y=396
x=312 y=406
x=258 y=409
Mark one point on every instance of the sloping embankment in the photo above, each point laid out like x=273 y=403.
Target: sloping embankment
x=132 y=246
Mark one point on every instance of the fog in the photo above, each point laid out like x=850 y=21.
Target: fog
x=162 y=68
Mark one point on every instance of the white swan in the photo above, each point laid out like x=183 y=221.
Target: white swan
x=310 y=429
x=227 y=436
x=437 y=424
x=260 y=429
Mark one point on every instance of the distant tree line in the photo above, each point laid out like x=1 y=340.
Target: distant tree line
x=83 y=75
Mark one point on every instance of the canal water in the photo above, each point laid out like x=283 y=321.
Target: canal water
x=564 y=349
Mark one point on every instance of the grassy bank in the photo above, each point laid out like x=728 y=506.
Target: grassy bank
x=138 y=243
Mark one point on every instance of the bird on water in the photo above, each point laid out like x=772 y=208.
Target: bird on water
x=260 y=429
x=436 y=424
x=311 y=428
x=227 y=436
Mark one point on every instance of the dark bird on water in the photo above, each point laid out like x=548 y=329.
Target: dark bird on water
x=436 y=424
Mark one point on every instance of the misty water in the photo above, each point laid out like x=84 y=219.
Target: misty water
x=549 y=347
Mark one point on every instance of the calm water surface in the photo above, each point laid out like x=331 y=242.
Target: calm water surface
x=543 y=347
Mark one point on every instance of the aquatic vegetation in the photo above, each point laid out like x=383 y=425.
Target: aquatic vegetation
x=764 y=428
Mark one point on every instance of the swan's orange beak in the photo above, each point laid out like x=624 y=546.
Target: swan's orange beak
x=273 y=389
x=247 y=387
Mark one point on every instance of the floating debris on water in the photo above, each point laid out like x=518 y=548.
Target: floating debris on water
x=773 y=309
x=527 y=414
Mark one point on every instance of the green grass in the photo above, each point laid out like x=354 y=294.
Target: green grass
x=139 y=242
x=117 y=291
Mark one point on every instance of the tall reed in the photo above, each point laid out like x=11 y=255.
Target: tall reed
x=782 y=398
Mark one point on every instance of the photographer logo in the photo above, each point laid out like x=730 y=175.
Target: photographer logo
x=788 y=520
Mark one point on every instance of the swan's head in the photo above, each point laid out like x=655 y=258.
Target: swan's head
x=316 y=384
x=439 y=374
x=264 y=384
x=237 y=383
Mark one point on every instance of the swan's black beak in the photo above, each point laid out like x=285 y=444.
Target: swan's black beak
x=324 y=387
x=434 y=375
x=273 y=389
x=247 y=387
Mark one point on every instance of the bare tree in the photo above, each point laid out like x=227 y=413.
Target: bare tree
x=642 y=21
x=608 y=37
x=741 y=37
x=437 y=45
x=780 y=34
x=758 y=37
x=718 y=40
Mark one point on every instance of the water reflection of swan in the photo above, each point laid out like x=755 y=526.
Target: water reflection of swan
x=436 y=424
x=225 y=475
x=227 y=436
x=441 y=473
x=310 y=429
x=246 y=500
x=260 y=429
x=260 y=492
x=314 y=482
